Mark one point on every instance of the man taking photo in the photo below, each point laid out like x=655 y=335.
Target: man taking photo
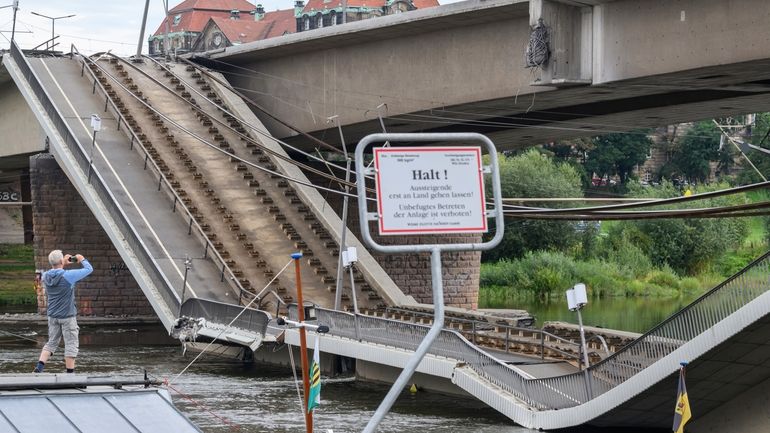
x=60 y=293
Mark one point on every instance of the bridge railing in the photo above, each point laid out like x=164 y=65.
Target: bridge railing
x=572 y=389
x=124 y=227
x=221 y=313
x=693 y=320
x=537 y=341
x=449 y=344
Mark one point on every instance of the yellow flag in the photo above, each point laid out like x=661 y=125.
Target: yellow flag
x=682 y=410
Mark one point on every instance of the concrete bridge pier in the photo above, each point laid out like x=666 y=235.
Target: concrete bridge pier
x=62 y=220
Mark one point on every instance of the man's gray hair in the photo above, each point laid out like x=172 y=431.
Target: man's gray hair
x=55 y=257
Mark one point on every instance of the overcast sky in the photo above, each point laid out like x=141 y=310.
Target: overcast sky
x=98 y=25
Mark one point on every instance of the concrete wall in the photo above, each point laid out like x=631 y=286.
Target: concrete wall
x=63 y=221
x=472 y=53
x=19 y=130
x=748 y=413
x=636 y=38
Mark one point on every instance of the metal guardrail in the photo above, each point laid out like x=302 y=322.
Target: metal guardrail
x=98 y=184
x=569 y=390
x=449 y=344
x=218 y=312
x=511 y=335
x=163 y=180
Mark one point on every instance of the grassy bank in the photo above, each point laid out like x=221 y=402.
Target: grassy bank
x=545 y=275
x=17 y=275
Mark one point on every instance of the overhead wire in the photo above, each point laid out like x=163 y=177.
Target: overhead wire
x=216 y=148
x=238 y=133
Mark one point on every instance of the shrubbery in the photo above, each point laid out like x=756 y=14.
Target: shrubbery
x=532 y=174
x=631 y=258
x=546 y=274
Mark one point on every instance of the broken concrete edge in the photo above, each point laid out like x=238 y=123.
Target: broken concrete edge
x=593 y=330
x=508 y=317
x=373 y=272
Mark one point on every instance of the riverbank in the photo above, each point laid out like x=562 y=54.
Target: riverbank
x=17 y=276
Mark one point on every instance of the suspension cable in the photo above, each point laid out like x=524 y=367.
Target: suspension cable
x=216 y=148
x=240 y=119
x=224 y=125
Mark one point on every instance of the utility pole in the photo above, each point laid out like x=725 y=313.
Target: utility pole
x=141 y=32
x=15 y=6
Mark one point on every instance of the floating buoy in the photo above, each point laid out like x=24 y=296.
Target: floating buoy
x=413 y=388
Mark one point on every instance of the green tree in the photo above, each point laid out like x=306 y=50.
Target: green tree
x=528 y=175
x=618 y=154
x=687 y=245
x=698 y=147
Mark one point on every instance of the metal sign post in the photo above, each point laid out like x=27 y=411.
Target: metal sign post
x=452 y=178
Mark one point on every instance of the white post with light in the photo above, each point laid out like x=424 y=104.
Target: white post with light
x=577 y=298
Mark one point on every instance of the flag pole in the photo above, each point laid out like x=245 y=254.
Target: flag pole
x=303 y=346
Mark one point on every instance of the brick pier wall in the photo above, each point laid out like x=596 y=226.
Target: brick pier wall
x=411 y=272
x=62 y=221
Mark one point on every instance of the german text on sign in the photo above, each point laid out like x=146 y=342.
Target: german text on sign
x=426 y=190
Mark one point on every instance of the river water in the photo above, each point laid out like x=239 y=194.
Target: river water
x=222 y=395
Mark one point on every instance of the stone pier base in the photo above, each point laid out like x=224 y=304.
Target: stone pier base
x=63 y=221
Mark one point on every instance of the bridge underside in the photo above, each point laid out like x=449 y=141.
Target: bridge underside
x=614 y=66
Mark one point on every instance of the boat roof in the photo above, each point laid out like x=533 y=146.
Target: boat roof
x=45 y=403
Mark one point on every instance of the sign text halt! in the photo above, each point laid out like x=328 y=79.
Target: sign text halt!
x=428 y=190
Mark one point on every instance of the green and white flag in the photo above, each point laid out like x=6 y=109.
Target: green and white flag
x=314 y=396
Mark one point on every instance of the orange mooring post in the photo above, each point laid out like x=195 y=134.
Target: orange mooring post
x=303 y=346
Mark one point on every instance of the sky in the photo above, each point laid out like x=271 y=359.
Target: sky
x=98 y=25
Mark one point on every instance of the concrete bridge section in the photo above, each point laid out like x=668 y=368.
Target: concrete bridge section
x=614 y=66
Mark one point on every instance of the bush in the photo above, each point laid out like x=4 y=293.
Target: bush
x=687 y=245
x=545 y=274
x=532 y=174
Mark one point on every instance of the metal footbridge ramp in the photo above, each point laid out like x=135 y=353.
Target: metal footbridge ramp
x=203 y=206
x=152 y=195
x=127 y=192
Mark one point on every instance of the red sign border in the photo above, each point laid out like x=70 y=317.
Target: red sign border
x=476 y=149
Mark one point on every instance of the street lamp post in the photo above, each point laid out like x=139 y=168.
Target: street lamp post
x=577 y=298
x=15 y=6
x=53 y=24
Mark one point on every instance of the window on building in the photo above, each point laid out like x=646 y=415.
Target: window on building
x=306 y=23
x=177 y=19
x=319 y=21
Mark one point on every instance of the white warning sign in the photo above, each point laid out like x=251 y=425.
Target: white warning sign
x=428 y=190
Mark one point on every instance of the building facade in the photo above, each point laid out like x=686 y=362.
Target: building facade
x=185 y=22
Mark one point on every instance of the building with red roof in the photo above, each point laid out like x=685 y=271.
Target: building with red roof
x=224 y=32
x=202 y=25
x=186 y=21
x=324 y=13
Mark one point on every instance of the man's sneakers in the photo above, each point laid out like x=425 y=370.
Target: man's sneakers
x=39 y=367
